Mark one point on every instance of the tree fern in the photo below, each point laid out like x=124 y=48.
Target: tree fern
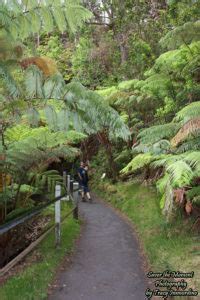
x=181 y=173
x=188 y=145
x=138 y=162
x=193 y=159
x=51 y=117
x=165 y=160
x=162 y=183
x=45 y=180
x=161 y=147
x=20 y=20
x=156 y=133
x=190 y=111
x=191 y=128
x=184 y=34
x=12 y=87
x=34 y=83
x=33 y=116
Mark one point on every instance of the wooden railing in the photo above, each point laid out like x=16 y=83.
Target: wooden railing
x=70 y=194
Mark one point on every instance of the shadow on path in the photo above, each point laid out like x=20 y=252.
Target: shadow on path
x=106 y=264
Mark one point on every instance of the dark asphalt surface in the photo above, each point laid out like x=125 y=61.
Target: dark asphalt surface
x=106 y=264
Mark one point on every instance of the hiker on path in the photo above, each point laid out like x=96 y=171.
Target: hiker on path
x=83 y=181
x=79 y=172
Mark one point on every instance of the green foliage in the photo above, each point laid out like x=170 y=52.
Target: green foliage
x=123 y=158
x=45 y=181
x=156 y=133
x=17 y=213
x=185 y=34
x=193 y=193
x=181 y=173
x=25 y=285
x=188 y=145
x=43 y=135
x=151 y=95
x=28 y=171
x=93 y=62
x=189 y=112
x=138 y=162
x=127 y=85
x=140 y=57
x=20 y=20
x=161 y=185
x=183 y=11
x=53 y=47
x=160 y=147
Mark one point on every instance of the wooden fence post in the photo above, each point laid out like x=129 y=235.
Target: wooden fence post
x=68 y=186
x=71 y=185
x=65 y=198
x=57 y=215
x=65 y=179
x=75 y=197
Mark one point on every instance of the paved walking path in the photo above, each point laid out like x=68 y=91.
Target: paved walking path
x=106 y=264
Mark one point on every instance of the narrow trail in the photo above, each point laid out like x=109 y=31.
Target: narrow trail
x=106 y=264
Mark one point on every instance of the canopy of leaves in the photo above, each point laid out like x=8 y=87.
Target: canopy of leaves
x=20 y=19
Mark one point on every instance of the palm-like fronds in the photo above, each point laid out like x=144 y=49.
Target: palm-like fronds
x=181 y=173
x=190 y=120
x=45 y=64
x=45 y=180
x=33 y=83
x=162 y=183
x=189 y=112
x=156 y=133
x=21 y=19
x=138 y=162
x=192 y=127
x=189 y=145
x=11 y=85
x=165 y=160
x=45 y=147
x=193 y=159
x=160 y=147
x=184 y=34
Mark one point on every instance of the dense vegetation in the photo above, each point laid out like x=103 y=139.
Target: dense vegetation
x=158 y=54
x=116 y=82
x=42 y=117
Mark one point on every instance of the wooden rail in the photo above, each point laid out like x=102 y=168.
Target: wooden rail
x=71 y=194
x=26 y=251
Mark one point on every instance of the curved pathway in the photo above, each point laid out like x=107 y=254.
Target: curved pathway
x=106 y=264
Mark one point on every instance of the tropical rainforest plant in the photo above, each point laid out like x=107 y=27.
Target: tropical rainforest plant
x=34 y=94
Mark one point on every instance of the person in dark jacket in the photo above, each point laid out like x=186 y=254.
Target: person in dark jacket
x=83 y=175
x=80 y=179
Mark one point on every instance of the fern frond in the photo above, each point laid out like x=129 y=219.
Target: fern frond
x=33 y=116
x=181 y=173
x=193 y=144
x=192 y=127
x=156 y=133
x=11 y=85
x=189 y=112
x=138 y=162
x=165 y=160
x=54 y=87
x=162 y=183
x=185 y=34
x=24 y=19
x=34 y=83
x=193 y=159
x=45 y=64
